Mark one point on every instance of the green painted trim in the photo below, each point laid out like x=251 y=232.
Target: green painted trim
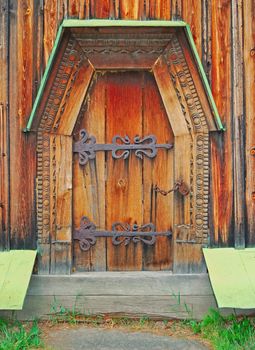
x=44 y=79
x=204 y=78
x=71 y=23
x=16 y=267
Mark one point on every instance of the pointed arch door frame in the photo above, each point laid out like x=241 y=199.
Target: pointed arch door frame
x=188 y=109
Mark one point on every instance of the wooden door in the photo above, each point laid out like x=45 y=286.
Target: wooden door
x=121 y=189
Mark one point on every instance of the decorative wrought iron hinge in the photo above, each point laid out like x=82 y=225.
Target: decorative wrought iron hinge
x=121 y=233
x=120 y=147
x=179 y=186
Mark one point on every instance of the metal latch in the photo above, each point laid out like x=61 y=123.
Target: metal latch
x=179 y=186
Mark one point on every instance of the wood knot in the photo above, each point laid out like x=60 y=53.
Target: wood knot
x=252 y=52
x=252 y=151
x=28 y=11
x=122 y=183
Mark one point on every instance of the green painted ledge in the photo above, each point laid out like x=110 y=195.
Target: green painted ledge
x=72 y=23
x=232 y=276
x=16 y=267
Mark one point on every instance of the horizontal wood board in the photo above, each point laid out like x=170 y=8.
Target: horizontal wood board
x=171 y=296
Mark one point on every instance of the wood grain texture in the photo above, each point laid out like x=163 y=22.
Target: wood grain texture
x=124 y=104
x=158 y=9
x=38 y=67
x=157 y=208
x=130 y=9
x=221 y=145
x=249 y=90
x=50 y=27
x=192 y=14
x=121 y=283
x=198 y=84
x=206 y=15
x=60 y=202
x=41 y=307
x=22 y=148
x=4 y=127
x=89 y=180
x=75 y=92
x=124 y=295
x=169 y=97
x=74 y=8
x=62 y=182
x=176 y=10
x=124 y=177
x=102 y=9
x=33 y=27
x=238 y=123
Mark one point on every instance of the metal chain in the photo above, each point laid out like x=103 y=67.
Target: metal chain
x=179 y=185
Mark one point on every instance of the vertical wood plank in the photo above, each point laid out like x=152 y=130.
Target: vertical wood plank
x=74 y=8
x=158 y=209
x=169 y=97
x=159 y=9
x=22 y=147
x=38 y=66
x=238 y=123
x=89 y=180
x=116 y=8
x=74 y=93
x=62 y=11
x=4 y=127
x=129 y=9
x=207 y=37
x=61 y=203
x=191 y=13
x=102 y=9
x=177 y=9
x=50 y=27
x=124 y=176
x=221 y=145
x=26 y=56
x=82 y=9
x=62 y=185
x=249 y=88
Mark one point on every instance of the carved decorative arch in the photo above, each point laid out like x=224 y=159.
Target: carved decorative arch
x=165 y=52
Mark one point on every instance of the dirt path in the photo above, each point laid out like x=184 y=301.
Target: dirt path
x=118 y=335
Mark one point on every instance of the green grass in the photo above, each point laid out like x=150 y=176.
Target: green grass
x=17 y=336
x=226 y=333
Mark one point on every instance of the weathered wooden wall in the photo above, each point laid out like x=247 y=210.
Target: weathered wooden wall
x=224 y=33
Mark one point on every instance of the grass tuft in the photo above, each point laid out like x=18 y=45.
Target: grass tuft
x=226 y=333
x=16 y=336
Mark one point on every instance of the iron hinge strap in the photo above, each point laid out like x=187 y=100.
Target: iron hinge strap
x=121 y=233
x=120 y=147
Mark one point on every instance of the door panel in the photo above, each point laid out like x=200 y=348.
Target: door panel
x=109 y=190
x=158 y=171
x=89 y=180
x=124 y=176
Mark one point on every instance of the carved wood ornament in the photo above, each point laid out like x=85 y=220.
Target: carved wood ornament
x=81 y=54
